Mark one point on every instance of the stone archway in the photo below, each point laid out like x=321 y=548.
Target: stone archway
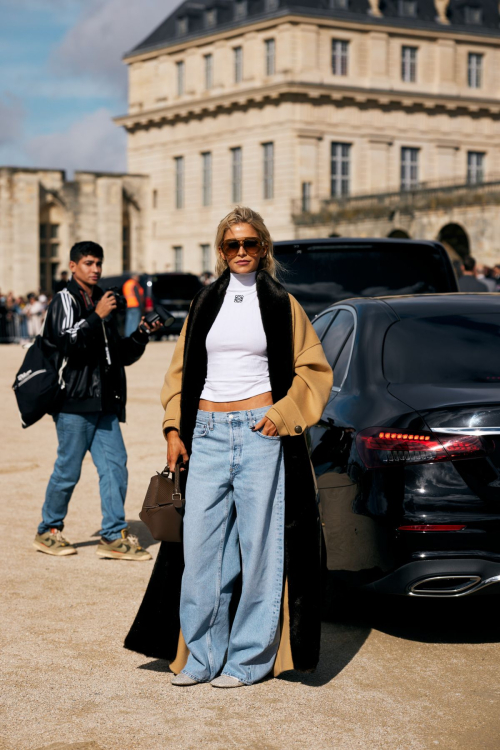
x=455 y=238
x=398 y=234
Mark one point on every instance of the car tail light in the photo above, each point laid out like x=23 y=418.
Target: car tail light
x=148 y=304
x=379 y=446
x=433 y=527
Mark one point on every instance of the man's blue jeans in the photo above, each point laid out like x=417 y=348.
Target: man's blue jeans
x=101 y=435
x=234 y=505
x=132 y=320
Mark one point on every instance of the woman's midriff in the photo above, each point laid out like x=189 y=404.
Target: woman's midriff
x=254 y=402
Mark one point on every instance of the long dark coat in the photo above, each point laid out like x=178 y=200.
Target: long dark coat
x=155 y=631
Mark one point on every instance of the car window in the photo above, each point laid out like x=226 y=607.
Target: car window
x=340 y=369
x=444 y=349
x=319 y=276
x=336 y=336
x=321 y=324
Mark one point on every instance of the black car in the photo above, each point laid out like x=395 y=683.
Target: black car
x=171 y=290
x=321 y=272
x=407 y=452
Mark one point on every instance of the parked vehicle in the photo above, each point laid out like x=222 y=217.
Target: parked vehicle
x=407 y=452
x=321 y=272
x=172 y=290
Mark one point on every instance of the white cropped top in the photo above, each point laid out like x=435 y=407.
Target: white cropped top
x=237 y=366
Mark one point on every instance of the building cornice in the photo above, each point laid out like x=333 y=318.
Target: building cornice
x=311 y=92
x=370 y=24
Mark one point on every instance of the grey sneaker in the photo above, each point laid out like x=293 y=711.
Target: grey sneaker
x=184 y=680
x=226 y=681
x=53 y=543
x=126 y=547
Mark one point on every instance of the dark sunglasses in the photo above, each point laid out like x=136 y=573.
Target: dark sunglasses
x=251 y=245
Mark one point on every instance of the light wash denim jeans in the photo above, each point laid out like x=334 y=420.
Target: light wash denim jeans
x=234 y=504
x=101 y=435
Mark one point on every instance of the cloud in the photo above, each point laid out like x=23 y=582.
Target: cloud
x=12 y=116
x=92 y=143
x=107 y=29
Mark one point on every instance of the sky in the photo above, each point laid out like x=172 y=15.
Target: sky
x=62 y=79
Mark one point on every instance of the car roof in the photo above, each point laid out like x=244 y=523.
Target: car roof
x=357 y=242
x=411 y=305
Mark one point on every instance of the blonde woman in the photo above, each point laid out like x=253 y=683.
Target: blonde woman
x=247 y=377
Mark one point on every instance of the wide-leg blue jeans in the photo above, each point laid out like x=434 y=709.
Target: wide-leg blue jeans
x=234 y=521
x=101 y=435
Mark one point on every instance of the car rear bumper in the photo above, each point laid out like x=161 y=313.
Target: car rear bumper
x=443 y=578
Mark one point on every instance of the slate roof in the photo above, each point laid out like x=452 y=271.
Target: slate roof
x=198 y=18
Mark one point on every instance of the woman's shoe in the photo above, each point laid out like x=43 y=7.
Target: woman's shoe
x=226 y=681
x=184 y=680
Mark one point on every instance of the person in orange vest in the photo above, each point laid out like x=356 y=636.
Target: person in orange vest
x=134 y=294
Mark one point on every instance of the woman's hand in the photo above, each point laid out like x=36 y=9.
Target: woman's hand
x=268 y=427
x=175 y=449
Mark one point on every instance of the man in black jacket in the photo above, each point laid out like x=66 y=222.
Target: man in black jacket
x=81 y=330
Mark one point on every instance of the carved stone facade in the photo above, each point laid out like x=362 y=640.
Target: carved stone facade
x=295 y=105
x=42 y=215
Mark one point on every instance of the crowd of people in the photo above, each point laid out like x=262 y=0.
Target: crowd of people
x=478 y=278
x=21 y=317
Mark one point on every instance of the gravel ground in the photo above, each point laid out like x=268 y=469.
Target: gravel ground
x=400 y=675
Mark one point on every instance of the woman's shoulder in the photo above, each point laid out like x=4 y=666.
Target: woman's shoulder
x=297 y=309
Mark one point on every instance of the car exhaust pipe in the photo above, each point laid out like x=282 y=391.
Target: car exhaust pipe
x=450 y=585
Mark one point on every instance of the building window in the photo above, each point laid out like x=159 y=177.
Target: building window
x=236 y=174
x=409 y=64
x=340 y=57
x=407 y=8
x=179 y=181
x=205 y=258
x=340 y=169
x=475 y=70
x=49 y=254
x=181 y=69
x=306 y=196
x=409 y=168
x=339 y=4
x=270 y=57
x=209 y=71
x=473 y=16
x=155 y=199
x=210 y=18
x=178 y=258
x=206 y=160
x=240 y=9
x=268 y=172
x=238 y=64
x=272 y=5
x=182 y=26
x=126 y=247
x=475 y=167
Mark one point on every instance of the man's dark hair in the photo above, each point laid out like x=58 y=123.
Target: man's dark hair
x=469 y=263
x=64 y=273
x=82 y=249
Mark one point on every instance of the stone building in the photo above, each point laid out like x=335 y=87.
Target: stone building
x=42 y=215
x=348 y=117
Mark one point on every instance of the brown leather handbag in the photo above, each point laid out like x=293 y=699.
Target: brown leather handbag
x=163 y=507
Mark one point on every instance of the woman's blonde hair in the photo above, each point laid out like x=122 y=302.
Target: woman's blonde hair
x=245 y=215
